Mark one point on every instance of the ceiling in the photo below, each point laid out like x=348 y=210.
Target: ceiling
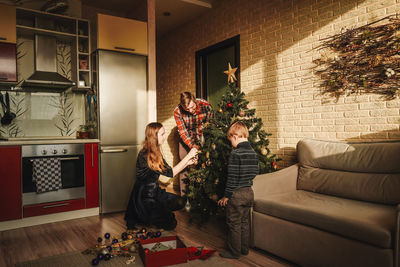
x=181 y=11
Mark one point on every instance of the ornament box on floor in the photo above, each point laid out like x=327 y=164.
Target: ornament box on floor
x=162 y=251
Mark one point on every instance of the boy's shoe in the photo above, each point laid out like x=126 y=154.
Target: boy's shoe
x=228 y=255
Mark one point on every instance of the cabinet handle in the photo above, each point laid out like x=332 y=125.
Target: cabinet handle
x=56 y=205
x=92 y=155
x=70 y=158
x=61 y=159
x=124 y=48
x=3 y=38
x=114 y=150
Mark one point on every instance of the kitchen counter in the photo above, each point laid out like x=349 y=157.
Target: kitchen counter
x=42 y=141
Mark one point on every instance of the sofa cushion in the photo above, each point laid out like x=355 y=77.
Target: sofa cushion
x=373 y=187
x=363 y=221
x=362 y=171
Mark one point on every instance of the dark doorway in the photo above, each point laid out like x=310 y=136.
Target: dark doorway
x=211 y=62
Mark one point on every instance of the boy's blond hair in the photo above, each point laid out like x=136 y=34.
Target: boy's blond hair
x=239 y=129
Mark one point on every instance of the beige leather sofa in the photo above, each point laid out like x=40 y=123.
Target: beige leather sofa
x=339 y=206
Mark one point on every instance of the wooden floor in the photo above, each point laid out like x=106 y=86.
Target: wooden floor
x=77 y=235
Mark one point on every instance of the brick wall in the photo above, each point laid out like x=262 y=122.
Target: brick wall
x=276 y=42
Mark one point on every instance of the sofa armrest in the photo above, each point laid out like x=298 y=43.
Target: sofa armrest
x=282 y=181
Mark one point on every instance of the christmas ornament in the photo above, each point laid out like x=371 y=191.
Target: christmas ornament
x=213 y=146
x=231 y=73
x=130 y=236
x=108 y=248
x=115 y=241
x=157 y=234
x=242 y=113
x=187 y=206
x=124 y=236
x=107 y=257
x=100 y=256
x=207 y=154
x=264 y=151
x=229 y=105
x=143 y=230
x=116 y=248
x=220 y=110
x=95 y=262
x=208 y=162
x=149 y=234
x=216 y=181
x=274 y=165
x=146 y=250
x=130 y=260
x=132 y=248
x=198 y=180
x=203 y=165
x=99 y=239
x=104 y=251
x=107 y=235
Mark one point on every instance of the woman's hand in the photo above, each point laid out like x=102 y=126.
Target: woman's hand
x=192 y=156
x=192 y=161
x=193 y=152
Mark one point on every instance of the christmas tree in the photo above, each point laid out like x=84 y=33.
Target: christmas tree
x=208 y=179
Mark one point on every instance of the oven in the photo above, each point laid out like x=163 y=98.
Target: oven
x=71 y=157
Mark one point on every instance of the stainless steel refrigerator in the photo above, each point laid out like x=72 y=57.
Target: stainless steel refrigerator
x=122 y=91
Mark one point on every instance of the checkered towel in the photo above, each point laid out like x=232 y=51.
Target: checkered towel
x=47 y=174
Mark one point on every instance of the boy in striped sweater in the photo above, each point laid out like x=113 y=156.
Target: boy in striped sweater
x=239 y=197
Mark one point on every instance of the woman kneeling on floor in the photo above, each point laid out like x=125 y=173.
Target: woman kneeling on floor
x=149 y=204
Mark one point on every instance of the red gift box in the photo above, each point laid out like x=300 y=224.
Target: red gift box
x=176 y=255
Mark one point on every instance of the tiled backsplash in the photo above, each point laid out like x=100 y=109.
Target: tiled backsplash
x=44 y=114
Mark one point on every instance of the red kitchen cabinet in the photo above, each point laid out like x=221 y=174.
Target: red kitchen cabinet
x=10 y=180
x=8 y=62
x=53 y=207
x=92 y=175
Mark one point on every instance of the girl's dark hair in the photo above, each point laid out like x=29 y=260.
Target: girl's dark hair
x=186 y=97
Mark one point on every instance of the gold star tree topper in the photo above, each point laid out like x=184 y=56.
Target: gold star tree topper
x=231 y=73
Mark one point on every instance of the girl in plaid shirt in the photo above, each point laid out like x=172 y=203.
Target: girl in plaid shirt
x=190 y=115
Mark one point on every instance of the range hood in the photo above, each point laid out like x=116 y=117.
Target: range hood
x=45 y=75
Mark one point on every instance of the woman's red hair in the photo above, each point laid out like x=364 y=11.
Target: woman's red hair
x=152 y=147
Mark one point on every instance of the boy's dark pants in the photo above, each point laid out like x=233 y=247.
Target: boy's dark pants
x=238 y=219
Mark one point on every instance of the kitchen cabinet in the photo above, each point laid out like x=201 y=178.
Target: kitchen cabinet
x=8 y=62
x=92 y=175
x=53 y=207
x=8 y=31
x=121 y=34
x=72 y=33
x=10 y=180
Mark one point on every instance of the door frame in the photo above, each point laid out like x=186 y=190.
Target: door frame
x=201 y=63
